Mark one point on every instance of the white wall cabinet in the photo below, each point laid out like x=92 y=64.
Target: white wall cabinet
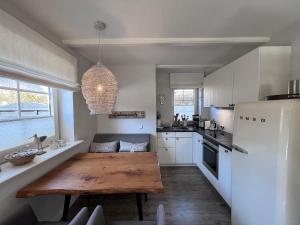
x=225 y=174
x=262 y=72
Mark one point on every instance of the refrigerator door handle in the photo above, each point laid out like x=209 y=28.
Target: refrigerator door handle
x=241 y=150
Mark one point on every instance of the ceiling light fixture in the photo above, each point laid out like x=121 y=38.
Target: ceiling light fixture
x=99 y=85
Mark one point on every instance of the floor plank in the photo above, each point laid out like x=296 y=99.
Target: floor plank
x=189 y=199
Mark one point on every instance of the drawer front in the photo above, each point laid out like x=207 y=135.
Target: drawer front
x=166 y=142
x=165 y=134
x=184 y=134
x=166 y=155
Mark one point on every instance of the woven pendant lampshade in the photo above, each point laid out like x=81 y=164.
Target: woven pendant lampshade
x=100 y=89
x=99 y=85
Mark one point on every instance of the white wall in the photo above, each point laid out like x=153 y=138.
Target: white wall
x=223 y=117
x=85 y=125
x=136 y=92
x=295 y=61
x=163 y=87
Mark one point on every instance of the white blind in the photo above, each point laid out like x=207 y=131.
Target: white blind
x=186 y=80
x=27 y=55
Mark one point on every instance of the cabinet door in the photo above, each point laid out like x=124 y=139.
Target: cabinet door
x=225 y=174
x=195 y=138
x=224 y=88
x=208 y=91
x=166 y=155
x=184 y=150
x=166 y=142
x=246 y=78
x=197 y=149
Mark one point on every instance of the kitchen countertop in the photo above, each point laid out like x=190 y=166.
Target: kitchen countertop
x=221 y=137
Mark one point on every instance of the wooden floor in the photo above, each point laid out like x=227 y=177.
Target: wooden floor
x=189 y=199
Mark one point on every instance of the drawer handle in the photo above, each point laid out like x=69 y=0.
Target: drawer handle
x=226 y=151
x=166 y=149
x=177 y=138
x=199 y=141
x=166 y=133
x=167 y=139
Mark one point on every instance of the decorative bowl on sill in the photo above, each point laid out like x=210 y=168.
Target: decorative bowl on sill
x=21 y=157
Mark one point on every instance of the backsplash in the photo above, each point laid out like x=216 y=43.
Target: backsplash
x=223 y=117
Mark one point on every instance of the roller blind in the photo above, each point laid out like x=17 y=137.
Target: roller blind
x=27 y=55
x=186 y=80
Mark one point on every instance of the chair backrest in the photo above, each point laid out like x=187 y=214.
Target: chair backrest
x=24 y=216
x=81 y=218
x=134 y=138
x=97 y=217
x=161 y=217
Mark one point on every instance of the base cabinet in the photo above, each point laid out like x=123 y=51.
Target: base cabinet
x=175 y=148
x=197 y=149
x=225 y=174
x=166 y=155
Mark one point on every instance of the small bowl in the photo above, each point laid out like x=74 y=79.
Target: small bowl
x=21 y=157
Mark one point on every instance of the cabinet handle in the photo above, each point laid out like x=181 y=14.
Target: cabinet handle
x=231 y=105
x=211 y=105
x=166 y=133
x=199 y=141
x=167 y=139
x=226 y=151
x=166 y=149
x=177 y=139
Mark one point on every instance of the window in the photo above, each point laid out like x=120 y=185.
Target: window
x=25 y=109
x=185 y=102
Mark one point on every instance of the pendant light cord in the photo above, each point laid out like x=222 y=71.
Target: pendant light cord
x=99 y=48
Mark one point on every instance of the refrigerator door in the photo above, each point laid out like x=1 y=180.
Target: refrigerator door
x=257 y=139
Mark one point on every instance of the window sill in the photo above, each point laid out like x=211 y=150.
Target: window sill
x=10 y=171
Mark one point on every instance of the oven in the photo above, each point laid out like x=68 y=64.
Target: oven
x=211 y=156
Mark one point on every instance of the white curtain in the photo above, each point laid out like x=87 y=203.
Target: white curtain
x=26 y=55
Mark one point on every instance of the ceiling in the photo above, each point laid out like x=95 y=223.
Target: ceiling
x=73 y=19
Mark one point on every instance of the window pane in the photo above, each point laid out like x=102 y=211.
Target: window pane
x=8 y=83
x=8 y=105
x=15 y=133
x=33 y=87
x=34 y=105
x=184 y=103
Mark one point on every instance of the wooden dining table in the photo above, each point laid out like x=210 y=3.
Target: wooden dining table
x=100 y=173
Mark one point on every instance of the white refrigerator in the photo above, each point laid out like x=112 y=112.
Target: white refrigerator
x=266 y=163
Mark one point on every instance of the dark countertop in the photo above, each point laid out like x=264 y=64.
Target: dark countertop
x=221 y=137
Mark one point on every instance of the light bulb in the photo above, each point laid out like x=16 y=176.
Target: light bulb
x=99 y=88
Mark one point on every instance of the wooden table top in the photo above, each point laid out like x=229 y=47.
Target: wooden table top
x=100 y=173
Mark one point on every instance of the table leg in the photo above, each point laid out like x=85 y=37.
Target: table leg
x=66 y=207
x=146 y=197
x=139 y=206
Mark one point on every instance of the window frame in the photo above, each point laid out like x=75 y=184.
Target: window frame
x=54 y=107
x=196 y=97
x=51 y=100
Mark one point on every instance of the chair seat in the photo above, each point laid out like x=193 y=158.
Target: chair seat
x=132 y=223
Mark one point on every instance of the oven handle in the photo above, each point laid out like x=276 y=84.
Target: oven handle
x=210 y=148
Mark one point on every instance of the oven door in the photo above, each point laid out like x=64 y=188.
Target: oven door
x=211 y=158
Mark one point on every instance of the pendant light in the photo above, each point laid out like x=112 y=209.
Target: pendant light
x=99 y=85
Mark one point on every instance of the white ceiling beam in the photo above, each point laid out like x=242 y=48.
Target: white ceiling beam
x=166 y=41
x=194 y=66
